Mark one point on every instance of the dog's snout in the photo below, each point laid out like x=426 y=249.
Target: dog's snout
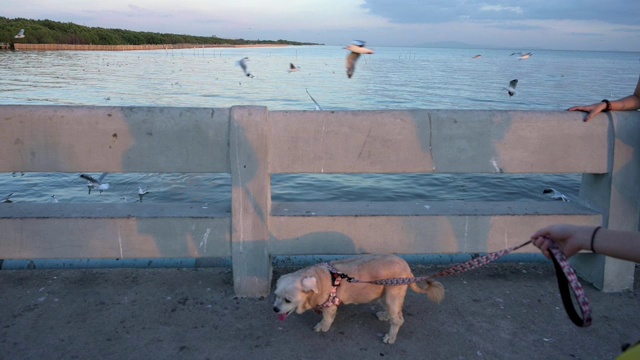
x=276 y=309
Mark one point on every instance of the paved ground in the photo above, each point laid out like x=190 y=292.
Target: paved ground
x=503 y=311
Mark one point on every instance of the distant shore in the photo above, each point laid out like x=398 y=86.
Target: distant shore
x=73 y=47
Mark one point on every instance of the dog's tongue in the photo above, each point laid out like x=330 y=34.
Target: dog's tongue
x=282 y=317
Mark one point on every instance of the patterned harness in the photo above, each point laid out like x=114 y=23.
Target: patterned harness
x=336 y=279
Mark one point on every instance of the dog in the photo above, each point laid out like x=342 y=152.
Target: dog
x=315 y=288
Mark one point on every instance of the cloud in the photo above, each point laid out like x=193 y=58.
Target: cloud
x=584 y=34
x=517 y=26
x=515 y=9
x=441 y=11
x=565 y=24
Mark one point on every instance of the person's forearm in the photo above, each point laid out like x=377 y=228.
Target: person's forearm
x=619 y=244
x=631 y=102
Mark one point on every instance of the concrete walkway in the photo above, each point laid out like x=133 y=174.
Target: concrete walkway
x=503 y=311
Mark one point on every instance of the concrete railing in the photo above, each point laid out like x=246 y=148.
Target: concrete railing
x=252 y=143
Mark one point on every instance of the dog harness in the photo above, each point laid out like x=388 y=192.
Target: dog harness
x=336 y=279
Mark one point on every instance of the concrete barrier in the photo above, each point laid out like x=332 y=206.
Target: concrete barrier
x=252 y=143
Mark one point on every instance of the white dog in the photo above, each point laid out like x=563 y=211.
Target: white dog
x=319 y=287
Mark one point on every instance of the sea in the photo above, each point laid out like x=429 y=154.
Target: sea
x=393 y=78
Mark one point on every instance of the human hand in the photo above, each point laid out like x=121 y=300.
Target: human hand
x=569 y=238
x=591 y=110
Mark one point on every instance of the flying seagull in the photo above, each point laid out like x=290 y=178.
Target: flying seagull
x=512 y=87
x=477 y=57
x=555 y=194
x=293 y=68
x=243 y=64
x=314 y=100
x=357 y=48
x=20 y=34
x=93 y=183
x=525 y=56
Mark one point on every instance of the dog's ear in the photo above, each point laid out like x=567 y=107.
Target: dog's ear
x=309 y=284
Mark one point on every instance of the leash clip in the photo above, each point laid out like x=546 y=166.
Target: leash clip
x=345 y=276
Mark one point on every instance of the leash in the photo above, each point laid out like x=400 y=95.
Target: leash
x=567 y=279
x=570 y=281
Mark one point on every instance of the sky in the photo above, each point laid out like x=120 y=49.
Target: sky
x=522 y=25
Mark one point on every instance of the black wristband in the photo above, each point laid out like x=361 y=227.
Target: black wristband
x=593 y=237
x=608 y=107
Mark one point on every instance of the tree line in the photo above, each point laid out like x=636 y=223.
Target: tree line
x=55 y=32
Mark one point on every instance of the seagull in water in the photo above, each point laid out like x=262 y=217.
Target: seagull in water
x=314 y=100
x=555 y=194
x=93 y=183
x=142 y=192
x=54 y=199
x=243 y=64
x=292 y=68
x=6 y=199
x=20 y=34
x=512 y=87
x=357 y=48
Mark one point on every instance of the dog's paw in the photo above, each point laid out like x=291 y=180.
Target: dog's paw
x=388 y=339
x=383 y=315
x=320 y=327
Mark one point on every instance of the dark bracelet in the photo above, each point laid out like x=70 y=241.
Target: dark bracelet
x=608 y=107
x=593 y=237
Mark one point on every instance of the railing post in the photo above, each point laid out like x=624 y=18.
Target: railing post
x=251 y=198
x=617 y=195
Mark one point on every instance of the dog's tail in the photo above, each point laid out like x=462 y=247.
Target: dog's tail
x=433 y=289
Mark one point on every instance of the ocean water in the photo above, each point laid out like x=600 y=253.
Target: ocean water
x=392 y=78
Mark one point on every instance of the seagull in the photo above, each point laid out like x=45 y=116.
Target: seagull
x=93 y=183
x=556 y=195
x=314 y=100
x=477 y=57
x=54 y=199
x=293 y=68
x=142 y=192
x=512 y=87
x=20 y=34
x=357 y=48
x=6 y=199
x=243 y=64
x=525 y=56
